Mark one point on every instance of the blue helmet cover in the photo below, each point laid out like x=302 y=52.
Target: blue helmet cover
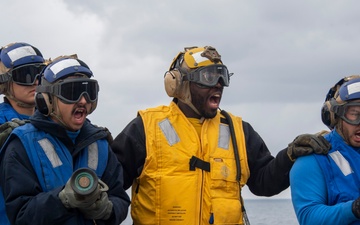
x=20 y=54
x=350 y=90
x=64 y=67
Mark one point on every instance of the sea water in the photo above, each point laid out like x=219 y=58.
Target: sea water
x=267 y=211
x=264 y=211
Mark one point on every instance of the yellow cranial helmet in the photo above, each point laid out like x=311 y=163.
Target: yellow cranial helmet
x=195 y=57
x=201 y=65
x=201 y=56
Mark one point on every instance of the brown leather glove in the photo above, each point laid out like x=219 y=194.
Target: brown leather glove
x=306 y=144
x=356 y=208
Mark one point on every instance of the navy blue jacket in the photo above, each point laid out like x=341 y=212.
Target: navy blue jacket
x=26 y=203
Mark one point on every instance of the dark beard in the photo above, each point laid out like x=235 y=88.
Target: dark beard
x=199 y=103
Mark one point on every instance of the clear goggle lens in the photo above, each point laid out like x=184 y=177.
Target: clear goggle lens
x=210 y=75
x=26 y=75
x=350 y=112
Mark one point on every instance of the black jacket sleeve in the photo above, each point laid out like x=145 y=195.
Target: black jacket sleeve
x=113 y=177
x=269 y=175
x=130 y=149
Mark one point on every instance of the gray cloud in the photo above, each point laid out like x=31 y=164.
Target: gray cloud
x=284 y=55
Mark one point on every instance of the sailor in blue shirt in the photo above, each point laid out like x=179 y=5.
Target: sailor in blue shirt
x=325 y=188
x=20 y=65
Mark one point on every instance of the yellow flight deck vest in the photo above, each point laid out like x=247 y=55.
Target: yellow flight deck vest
x=170 y=189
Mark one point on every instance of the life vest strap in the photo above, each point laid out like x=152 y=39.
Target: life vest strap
x=195 y=162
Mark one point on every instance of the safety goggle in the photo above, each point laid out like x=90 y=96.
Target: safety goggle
x=349 y=112
x=71 y=90
x=210 y=75
x=26 y=75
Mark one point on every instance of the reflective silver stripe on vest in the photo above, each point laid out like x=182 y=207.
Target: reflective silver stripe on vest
x=341 y=162
x=50 y=152
x=224 y=136
x=93 y=159
x=169 y=132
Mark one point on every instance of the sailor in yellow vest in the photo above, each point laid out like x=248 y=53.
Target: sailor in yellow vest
x=187 y=162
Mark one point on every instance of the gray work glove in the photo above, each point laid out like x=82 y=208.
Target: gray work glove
x=306 y=144
x=8 y=127
x=100 y=210
x=72 y=200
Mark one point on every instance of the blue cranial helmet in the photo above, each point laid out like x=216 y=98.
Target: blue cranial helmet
x=20 y=53
x=340 y=98
x=64 y=67
x=350 y=90
x=19 y=62
x=68 y=79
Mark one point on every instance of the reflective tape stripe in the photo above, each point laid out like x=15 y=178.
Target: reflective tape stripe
x=353 y=88
x=21 y=52
x=341 y=162
x=224 y=136
x=198 y=58
x=93 y=158
x=63 y=64
x=169 y=132
x=50 y=152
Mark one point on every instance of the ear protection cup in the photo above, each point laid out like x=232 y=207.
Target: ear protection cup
x=4 y=88
x=172 y=82
x=173 y=77
x=43 y=104
x=328 y=117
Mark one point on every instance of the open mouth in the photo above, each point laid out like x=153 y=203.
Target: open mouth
x=214 y=101
x=357 y=135
x=80 y=113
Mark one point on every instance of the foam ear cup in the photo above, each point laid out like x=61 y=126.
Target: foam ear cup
x=328 y=117
x=41 y=104
x=3 y=88
x=172 y=82
x=325 y=114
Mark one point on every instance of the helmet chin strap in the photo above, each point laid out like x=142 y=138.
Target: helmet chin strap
x=193 y=108
x=340 y=129
x=10 y=94
x=53 y=113
x=202 y=118
x=189 y=103
x=58 y=119
x=20 y=103
x=184 y=95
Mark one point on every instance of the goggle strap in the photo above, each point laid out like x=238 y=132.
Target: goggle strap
x=44 y=89
x=4 y=78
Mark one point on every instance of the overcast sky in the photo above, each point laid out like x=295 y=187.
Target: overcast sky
x=285 y=55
